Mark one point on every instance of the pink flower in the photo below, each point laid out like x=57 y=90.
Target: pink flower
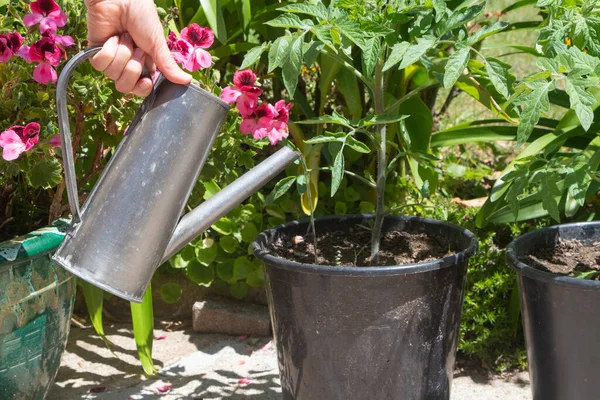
x=18 y=139
x=48 y=54
x=260 y=122
x=189 y=49
x=54 y=141
x=60 y=39
x=47 y=13
x=24 y=54
x=244 y=93
x=10 y=44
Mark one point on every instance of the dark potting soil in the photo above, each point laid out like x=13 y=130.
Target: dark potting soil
x=353 y=248
x=569 y=257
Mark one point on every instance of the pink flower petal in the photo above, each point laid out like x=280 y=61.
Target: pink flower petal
x=241 y=362
x=24 y=54
x=161 y=337
x=246 y=104
x=245 y=381
x=164 y=388
x=242 y=338
x=267 y=346
x=9 y=136
x=198 y=36
x=64 y=40
x=248 y=126
x=244 y=77
x=230 y=94
x=32 y=19
x=44 y=73
x=54 y=141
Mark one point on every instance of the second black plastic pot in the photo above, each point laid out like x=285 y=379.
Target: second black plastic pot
x=561 y=318
x=357 y=333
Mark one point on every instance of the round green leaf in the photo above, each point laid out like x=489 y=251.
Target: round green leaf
x=249 y=232
x=207 y=251
x=351 y=195
x=224 y=226
x=171 y=292
x=256 y=278
x=229 y=244
x=241 y=268
x=340 y=208
x=239 y=290
x=366 y=207
x=225 y=270
x=201 y=274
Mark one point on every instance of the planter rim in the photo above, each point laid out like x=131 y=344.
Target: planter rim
x=525 y=269
x=404 y=269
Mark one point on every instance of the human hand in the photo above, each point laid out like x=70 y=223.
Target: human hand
x=131 y=36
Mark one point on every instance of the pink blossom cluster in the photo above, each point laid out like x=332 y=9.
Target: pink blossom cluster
x=189 y=49
x=46 y=52
x=262 y=121
x=19 y=139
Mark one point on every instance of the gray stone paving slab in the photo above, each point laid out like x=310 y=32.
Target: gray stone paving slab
x=201 y=366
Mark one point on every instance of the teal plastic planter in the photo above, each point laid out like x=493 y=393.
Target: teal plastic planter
x=36 y=302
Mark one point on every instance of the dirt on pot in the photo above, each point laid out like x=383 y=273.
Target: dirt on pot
x=352 y=247
x=570 y=257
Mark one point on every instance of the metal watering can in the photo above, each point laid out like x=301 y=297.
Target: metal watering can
x=131 y=222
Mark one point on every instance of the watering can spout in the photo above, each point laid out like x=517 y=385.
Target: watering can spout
x=131 y=221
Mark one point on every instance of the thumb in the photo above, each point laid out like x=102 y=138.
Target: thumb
x=160 y=53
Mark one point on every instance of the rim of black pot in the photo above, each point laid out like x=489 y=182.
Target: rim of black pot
x=531 y=272
x=404 y=269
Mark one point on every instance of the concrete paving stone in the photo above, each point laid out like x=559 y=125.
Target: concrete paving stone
x=205 y=366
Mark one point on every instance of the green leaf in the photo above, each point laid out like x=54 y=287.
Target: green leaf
x=548 y=193
x=229 y=244
x=201 y=274
x=210 y=189
x=340 y=208
x=440 y=9
x=252 y=57
x=206 y=252
x=142 y=318
x=238 y=290
x=474 y=134
x=375 y=119
x=396 y=55
x=249 y=232
x=279 y=52
x=225 y=270
x=364 y=207
x=485 y=32
x=290 y=21
x=327 y=138
x=352 y=31
x=415 y=51
x=256 y=278
x=335 y=118
x=94 y=299
x=374 y=29
x=214 y=16
x=171 y=292
x=9 y=169
x=337 y=172
x=581 y=101
x=293 y=65
x=3 y=3
x=347 y=84
x=370 y=54
x=224 y=226
x=500 y=76
x=536 y=102
x=518 y=4
x=456 y=65
x=241 y=268
x=46 y=174
x=357 y=145
x=245 y=12
x=323 y=33
x=316 y=10
x=280 y=189
x=462 y=15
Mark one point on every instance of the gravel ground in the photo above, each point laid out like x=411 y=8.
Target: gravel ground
x=195 y=366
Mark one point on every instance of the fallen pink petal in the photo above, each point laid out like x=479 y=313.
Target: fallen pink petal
x=164 y=388
x=242 y=338
x=161 y=337
x=245 y=381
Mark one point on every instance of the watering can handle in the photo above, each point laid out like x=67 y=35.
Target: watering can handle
x=65 y=130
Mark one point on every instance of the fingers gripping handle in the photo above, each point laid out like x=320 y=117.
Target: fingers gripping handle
x=65 y=129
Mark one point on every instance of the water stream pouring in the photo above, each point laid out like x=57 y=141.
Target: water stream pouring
x=131 y=222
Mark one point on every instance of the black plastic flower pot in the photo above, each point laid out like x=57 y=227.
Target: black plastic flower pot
x=357 y=333
x=561 y=318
